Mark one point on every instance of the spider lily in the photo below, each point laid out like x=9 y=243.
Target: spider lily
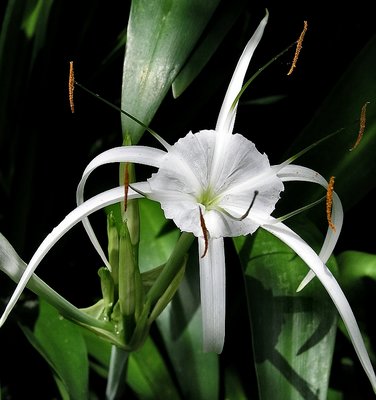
x=215 y=184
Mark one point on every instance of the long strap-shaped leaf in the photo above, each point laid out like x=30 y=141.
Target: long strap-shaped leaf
x=160 y=37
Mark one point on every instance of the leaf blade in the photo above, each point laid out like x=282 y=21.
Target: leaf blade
x=159 y=39
x=290 y=330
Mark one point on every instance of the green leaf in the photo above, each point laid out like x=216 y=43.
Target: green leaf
x=357 y=276
x=354 y=170
x=293 y=333
x=148 y=376
x=147 y=373
x=35 y=23
x=160 y=37
x=234 y=389
x=335 y=395
x=24 y=26
x=355 y=267
x=98 y=349
x=157 y=239
x=23 y=34
x=61 y=343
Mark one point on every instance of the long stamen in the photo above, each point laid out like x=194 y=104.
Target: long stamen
x=362 y=126
x=138 y=191
x=71 y=86
x=329 y=203
x=155 y=134
x=205 y=232
x=298 y=211
x=257 y=73
x=305 y=150
x=245 y=215
x=298 y=48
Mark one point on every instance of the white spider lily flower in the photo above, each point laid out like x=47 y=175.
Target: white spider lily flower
x=216 y=184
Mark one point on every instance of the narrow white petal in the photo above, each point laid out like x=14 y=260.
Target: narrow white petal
x=298 y=173
x=213 y=294
x=133 y=154
x=143 y=187
x=226 y=117
x=310 y=275
x=94 y=204
x=331 y=235
x=332 y=287
x=292 y=172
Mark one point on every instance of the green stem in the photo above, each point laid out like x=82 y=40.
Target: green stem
x=171 y=268
x=116 y=373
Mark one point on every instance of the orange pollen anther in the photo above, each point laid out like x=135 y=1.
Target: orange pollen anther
x=126 y=186
x=205 y=232
x=329 y=203
x=362 y=126
x=298 y=48
x=71 y=86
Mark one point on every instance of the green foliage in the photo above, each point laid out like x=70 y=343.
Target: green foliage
x=293 y=333
x=157 y=48
x=61 y=344
x=147 y=374
x=357 y=275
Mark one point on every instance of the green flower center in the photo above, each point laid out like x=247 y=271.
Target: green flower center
x=208 y=198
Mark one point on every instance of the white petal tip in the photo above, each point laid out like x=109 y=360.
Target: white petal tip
x=4 y=318
x=300 y=287
x=306 y=281
x=213 y=345
x=12 y=302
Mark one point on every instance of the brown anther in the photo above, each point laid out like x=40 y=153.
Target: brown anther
x=298 y=48
x=126 y=185
x=329 y=203
x=71 y=86
x=205 y=232
x=362 y=126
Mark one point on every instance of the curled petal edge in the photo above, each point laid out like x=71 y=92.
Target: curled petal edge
x=294 y=172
